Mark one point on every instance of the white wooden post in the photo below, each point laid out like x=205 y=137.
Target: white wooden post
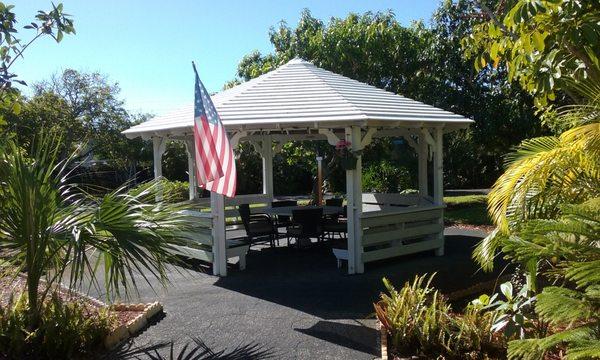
x=354 y=195
x=422 y=161
x=267 y=165
x=158 y=149
x=219 y=249
x=191 y=153
x=438 y=180
x=319 y=180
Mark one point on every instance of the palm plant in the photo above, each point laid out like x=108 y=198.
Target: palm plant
x=51 y=230
x=570 y=249
x=545 y=172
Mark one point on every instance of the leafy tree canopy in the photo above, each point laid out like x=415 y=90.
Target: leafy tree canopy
x=422 y=62
x=540 y=42
x=86 y=107
x=53 y=23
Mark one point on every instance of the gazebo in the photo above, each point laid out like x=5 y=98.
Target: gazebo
x=300 y=101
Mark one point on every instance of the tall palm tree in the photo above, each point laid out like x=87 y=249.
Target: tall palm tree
x=52 y=230
x=545 y=172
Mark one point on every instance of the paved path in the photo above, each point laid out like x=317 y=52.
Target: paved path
x=293 y=304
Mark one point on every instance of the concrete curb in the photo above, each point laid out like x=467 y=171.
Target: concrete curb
x=133 y=326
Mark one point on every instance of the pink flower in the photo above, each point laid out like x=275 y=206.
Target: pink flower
x=343 y=144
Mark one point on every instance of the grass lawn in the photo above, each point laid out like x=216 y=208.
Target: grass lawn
x=467 y=209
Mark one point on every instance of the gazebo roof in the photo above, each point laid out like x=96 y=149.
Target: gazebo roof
x=300 y=95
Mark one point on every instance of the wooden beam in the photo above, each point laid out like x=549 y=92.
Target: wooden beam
x=234 y=140
x=422 y=165
x=217 y=206
x=267 y=165
x=438 y=182
x=411 y=142
x=427 y=136
x=191 y=154
x=332 y=138
x=368 y=138
x=158 y=149
x=354 y=196
x=257 y=145
x=438 y=172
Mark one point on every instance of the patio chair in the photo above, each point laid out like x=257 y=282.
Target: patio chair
x=336 y=225
x=257 y=226
x=283 y=220
x=306 y=225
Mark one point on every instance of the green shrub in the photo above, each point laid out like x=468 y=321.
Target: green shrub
x=386 y=177
x=172 y=191
x=66 y=329
x=566 y=251
x=419 y=321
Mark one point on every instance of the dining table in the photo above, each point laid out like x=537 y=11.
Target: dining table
x=288 y=210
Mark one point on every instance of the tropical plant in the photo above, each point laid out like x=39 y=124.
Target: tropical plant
x=66 y=329
x=51 y=230
x=541 y=42
x=543 y=173
x=567 y=251
x=516 y=317
x=421 y=322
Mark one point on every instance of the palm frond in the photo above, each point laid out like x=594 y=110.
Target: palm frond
x=544 y=173
x=54 y=229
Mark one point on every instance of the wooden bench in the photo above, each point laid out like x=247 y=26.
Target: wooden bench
x=198 y=242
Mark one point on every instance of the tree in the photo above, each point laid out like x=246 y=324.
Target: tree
x=86 y=107
x=92 y=107
x=540 y=42
x=424 y=63
x=53 y=23
x=50 y=229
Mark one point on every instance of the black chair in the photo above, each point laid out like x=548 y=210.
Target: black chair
x=334 y=202
x=337 y=225
x=306 y=225
x=257 y=226
x=283 y=220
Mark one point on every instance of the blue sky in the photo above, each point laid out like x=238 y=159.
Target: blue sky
x=147 y=46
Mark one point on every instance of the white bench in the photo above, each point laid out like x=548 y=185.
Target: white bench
x=198 y=242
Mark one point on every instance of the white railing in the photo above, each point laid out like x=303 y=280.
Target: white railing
x=395 y=231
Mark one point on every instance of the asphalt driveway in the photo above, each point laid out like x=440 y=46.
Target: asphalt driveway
x=289 y=303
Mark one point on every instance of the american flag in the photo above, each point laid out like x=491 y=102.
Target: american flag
x=215 y=163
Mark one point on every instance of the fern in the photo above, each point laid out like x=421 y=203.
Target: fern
x=571 y=245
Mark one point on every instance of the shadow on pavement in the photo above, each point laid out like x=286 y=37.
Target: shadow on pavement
x=308 y=280
x=195 y=349
x=356 y=337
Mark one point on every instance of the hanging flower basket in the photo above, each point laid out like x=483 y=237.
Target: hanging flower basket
x=348 y=158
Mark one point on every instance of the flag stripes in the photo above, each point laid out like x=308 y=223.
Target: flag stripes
x=215 y=162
